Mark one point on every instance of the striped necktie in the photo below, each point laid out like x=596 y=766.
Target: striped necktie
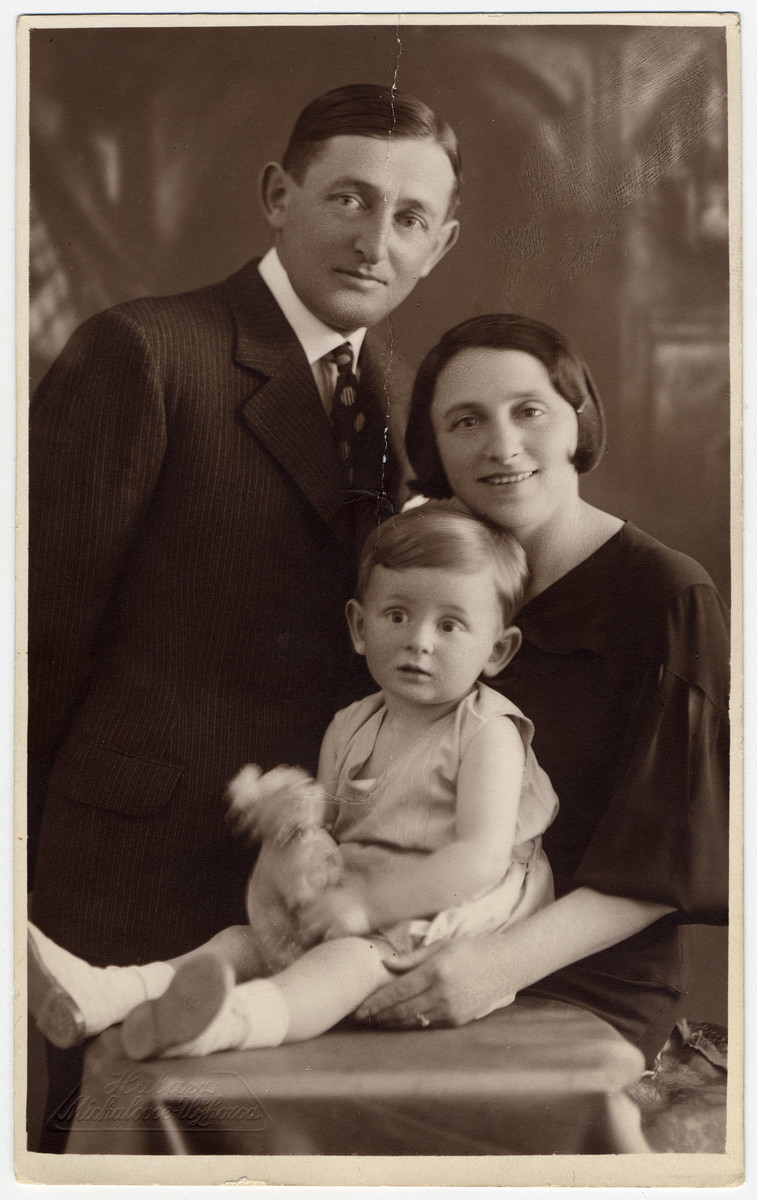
x=347 y=418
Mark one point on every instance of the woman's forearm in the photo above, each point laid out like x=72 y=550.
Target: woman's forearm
x=581 y=923
x=465 y=978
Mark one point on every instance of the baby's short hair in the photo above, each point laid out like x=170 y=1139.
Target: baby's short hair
x=440 y=534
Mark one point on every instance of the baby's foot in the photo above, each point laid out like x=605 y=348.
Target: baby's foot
x=55 y=1010
x=179 y=1022
x=72 y=1000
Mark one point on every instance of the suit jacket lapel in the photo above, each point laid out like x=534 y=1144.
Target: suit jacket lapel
x=285 y=411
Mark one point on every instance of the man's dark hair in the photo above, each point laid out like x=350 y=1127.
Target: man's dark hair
x=568 y=374
x=368 y=110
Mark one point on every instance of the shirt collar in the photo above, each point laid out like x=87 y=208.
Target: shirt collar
x=315 y=338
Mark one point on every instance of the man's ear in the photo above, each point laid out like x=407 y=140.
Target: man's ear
x=446 y=238
x=504 y=650
x=275 y=189
x=356 y=622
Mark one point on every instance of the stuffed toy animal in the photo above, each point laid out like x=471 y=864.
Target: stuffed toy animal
x=283 y=811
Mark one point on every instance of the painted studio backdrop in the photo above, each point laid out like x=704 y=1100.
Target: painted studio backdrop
x=595 y=198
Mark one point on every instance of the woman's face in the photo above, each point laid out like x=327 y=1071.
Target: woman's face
x=506 y=438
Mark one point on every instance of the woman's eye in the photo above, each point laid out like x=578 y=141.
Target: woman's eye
x=467 y=422
x=531 y=411
x=450 y=626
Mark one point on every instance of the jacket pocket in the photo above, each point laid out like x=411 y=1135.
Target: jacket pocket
x=105 y=778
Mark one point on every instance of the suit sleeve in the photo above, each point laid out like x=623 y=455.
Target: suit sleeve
x=97 y=442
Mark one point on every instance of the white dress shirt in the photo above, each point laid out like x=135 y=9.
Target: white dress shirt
x=315 y=338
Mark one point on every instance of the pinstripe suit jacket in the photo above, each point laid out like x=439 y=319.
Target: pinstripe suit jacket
x=191 y=554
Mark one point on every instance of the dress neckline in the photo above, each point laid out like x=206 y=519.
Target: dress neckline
x=588 y=563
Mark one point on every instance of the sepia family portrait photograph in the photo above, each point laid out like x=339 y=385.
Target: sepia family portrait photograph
x=379 y=817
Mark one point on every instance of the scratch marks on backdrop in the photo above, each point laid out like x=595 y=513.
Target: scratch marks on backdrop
x=399 y=56
x=387 y=396
x=631 y=125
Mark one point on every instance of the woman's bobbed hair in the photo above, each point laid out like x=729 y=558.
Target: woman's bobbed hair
x=568 y=373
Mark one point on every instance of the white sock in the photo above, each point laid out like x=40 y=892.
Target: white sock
x=253 y=1016
x=104 y=995
x=136 y=983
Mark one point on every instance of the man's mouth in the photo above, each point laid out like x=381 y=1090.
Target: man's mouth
x=501 y=478
x=362 y=277
x=417 y=672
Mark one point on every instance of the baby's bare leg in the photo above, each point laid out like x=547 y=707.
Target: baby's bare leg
x=329 y=982
x=202 y=1012
x=235 y=946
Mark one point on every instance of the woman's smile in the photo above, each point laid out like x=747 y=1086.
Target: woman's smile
x=500 y=478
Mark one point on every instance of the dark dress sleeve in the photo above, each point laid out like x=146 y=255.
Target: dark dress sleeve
x=664 y=834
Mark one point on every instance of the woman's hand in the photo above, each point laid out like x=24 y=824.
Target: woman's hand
x=448 y=983
x=451 y=983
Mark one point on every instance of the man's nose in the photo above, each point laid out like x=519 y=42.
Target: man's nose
x=373 y=237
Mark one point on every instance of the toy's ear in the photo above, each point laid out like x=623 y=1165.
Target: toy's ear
x=356 y=622
x=503 y=651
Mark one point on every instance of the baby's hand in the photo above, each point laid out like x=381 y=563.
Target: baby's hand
x=336 y=913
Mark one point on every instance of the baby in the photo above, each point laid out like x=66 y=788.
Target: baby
x=430 y=790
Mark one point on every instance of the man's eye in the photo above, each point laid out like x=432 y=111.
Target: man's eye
x=347 y=201
x=396 y=616
x=449 y=626
x=411 y=221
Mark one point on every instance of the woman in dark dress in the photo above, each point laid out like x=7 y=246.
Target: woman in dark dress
x=624 y=671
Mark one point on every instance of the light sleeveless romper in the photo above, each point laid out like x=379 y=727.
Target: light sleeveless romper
x=411 y=811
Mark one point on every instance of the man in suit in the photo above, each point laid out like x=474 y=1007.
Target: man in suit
x=195 y=507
